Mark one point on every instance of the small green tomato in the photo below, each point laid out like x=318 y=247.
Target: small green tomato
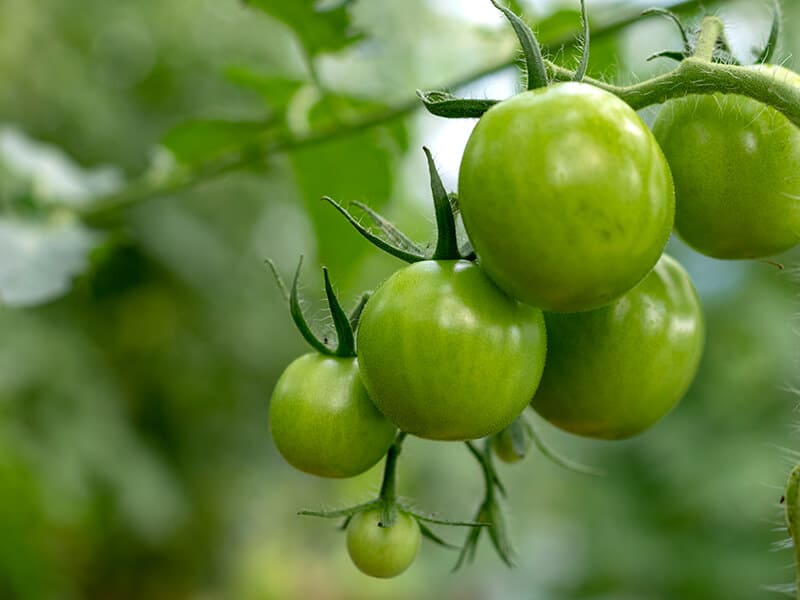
x=382 y=551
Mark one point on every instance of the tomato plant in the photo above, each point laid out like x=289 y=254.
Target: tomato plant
x=735 y=164
x=447 y=355
x=382 y=551
x=565 y=196
x=613 y=372
x=567 y=202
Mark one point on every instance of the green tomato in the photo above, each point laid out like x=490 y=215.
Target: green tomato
x=566 y=197
x=613 y=372
x=446 y=355
x=322 y=419
x=736 y=164
x=503 y=447
x=382 y=551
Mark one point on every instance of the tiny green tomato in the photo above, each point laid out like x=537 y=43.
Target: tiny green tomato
x=382 y=551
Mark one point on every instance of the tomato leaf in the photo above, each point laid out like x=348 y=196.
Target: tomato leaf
x=443 y=104
x=196 y=141
x=275 y=90
x=318 y=30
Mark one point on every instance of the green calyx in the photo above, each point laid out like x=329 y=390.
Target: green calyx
x=534 y=62
x=343 y=323
x=390 y=505
x=393 y=241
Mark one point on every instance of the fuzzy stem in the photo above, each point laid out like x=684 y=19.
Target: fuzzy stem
x=711 y=30
x=695 y=76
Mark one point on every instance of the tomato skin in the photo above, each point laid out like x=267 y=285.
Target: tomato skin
x=566 y=197
x=613 y=372
x=446 y=355
x=735 y=164
x=382 y=551
x=322 y=420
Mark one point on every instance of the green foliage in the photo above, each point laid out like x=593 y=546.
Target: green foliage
x=319 y=30
x=198 y=141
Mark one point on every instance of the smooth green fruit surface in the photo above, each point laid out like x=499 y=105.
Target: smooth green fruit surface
x=446 y=355
x=613 y=372
x=382 y=551
x=566 y=197
x=736 y=165
x=503 y=447
x=322 y=420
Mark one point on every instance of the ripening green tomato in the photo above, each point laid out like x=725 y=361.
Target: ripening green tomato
x=566 y=197
x=613 y=372
x=446 y=355
x=736 y=164
x=503 y=447
x=322 y=419
x=382 y=551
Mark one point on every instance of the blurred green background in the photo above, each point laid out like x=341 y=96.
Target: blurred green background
x=135 y=459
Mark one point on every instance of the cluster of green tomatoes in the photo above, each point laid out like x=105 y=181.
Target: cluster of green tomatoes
x=558 y=296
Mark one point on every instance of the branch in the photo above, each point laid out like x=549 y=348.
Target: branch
x=146 y=187
x=695 y=76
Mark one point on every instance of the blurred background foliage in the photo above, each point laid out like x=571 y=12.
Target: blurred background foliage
x=139 y=356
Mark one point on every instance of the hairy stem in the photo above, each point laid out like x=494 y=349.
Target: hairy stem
x=696 y=76
x=710 y=32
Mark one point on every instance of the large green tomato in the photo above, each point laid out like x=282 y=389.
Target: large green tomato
x=736 y=164
x=613 y=372
x=322 y=420
x=566 y=197
x=382 y=551
x=446 y=355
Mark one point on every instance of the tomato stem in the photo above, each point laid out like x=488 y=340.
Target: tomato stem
x=388 y=493
x=711 y=30
x=580 y=73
